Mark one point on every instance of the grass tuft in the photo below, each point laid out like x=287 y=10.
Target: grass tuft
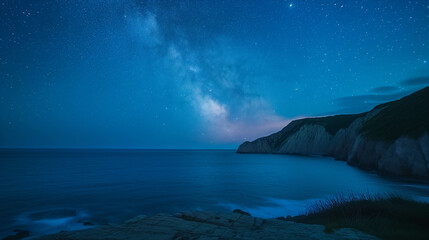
x=384 y=216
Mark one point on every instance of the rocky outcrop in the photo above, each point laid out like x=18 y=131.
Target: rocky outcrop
x=393 y=138
x=204 y=225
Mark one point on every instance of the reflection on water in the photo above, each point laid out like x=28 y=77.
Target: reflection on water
x=50 y=191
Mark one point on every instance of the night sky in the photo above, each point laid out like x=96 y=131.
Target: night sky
x=198 y=74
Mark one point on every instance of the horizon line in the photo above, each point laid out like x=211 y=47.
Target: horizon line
x=148 y=149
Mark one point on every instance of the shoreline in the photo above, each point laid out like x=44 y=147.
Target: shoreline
x=343 y=216
x=207 y=225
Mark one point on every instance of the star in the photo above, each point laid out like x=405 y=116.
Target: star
x=291 y=5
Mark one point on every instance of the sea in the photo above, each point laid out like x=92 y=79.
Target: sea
x=47 y=191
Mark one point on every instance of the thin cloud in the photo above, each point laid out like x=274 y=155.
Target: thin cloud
x=371 y=98
x=415 y=81
x=384 y=89
x=362 y=103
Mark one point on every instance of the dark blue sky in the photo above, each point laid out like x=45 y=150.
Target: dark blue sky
x=198 y=74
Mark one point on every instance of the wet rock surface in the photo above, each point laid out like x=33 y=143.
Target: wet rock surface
x=19 y=234
x=207 y=225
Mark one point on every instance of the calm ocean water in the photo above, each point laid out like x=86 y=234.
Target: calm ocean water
x=49 y=191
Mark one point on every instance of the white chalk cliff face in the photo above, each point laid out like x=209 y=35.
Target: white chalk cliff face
x=362 y=140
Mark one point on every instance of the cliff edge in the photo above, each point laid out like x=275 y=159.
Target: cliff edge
x=392 y=138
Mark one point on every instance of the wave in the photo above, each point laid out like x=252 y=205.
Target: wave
x=273 y=207
x=53 y=221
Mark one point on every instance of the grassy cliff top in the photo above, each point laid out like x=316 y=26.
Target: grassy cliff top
x=332 y=124
x=408 y=116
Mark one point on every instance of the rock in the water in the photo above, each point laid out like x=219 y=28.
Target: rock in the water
x=19 y=234
x=241 y=212
x=86 y=223
x=204 y=225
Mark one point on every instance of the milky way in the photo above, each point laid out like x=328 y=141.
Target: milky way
x=198 y=74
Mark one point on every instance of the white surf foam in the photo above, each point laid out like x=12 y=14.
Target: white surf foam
x=273 y=207
x=52 y=221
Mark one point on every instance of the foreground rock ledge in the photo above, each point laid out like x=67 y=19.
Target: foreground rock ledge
x=204 y=225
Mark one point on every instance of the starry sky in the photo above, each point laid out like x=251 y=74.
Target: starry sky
x=198 y=73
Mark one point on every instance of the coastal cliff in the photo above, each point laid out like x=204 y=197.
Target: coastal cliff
x=392 y=139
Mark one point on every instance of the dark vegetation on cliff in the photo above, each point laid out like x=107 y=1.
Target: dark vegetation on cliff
x=387 y=217
x=408 y=116
x=332 y=124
